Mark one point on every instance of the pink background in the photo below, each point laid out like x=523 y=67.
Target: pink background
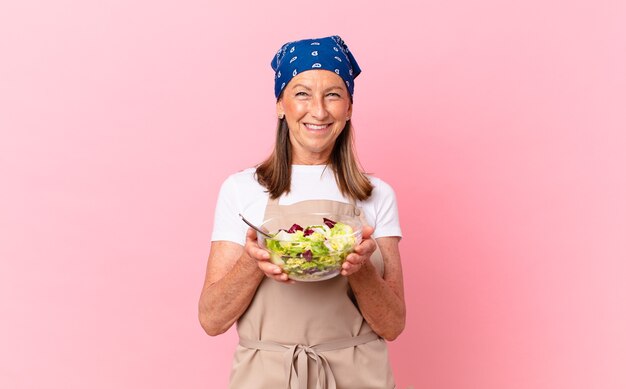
x=499 y=123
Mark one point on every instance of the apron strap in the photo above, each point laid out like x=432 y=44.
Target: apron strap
x=356 y=210
x=298 y=354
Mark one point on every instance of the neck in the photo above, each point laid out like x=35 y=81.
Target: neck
x=313 y=159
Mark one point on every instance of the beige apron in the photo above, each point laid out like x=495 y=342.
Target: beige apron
x=309 y=335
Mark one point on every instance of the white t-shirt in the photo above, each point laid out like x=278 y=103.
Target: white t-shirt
x=241 y=193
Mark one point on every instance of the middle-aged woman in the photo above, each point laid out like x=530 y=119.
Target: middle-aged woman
x=327 y=334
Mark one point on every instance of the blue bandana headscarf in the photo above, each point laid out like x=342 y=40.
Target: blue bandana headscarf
x=329 y=53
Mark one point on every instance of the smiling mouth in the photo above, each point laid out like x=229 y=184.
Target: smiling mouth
x=316 y=127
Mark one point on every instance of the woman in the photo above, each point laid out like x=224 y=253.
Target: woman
x=327 y=334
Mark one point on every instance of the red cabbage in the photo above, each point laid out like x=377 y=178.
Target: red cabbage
x=329 y=223
x=294 y=228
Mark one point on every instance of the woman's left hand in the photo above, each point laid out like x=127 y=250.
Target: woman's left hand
x=361 y=254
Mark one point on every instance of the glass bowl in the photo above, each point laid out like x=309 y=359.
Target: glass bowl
x=310 y=246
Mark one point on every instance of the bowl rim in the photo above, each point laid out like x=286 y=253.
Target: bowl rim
x=355 y=223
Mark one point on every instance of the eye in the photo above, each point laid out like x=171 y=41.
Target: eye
x=333 y=94
x=301 y=94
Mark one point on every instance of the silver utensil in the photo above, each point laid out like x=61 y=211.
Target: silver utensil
x=257 y=229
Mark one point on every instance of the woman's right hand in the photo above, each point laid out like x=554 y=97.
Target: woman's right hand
x=262 y=258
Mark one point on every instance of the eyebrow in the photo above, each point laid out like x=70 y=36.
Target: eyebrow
x=326 y=90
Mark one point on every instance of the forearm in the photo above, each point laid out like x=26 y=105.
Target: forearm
x=224 y=301
x=382 y=307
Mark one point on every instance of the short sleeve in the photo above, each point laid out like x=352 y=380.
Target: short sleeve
x=226 y=224
x=386 y=208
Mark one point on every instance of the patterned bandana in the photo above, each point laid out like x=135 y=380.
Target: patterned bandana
x=329 y=53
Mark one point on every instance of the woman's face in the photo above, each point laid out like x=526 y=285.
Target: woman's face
x=316 y=105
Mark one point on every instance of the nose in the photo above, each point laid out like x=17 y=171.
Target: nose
x=318 y=108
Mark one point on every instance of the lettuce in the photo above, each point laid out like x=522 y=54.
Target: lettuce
x=312 y=251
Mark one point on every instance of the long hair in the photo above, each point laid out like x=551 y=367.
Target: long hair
x=275 y=172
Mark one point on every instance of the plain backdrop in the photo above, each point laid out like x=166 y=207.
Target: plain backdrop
x=500 y=124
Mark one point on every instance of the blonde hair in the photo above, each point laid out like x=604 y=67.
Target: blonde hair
x=275 y=172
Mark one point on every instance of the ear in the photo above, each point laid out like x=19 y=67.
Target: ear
x=280 y=110
x=349 y=113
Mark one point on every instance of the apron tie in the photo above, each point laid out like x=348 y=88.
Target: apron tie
x=299 y=354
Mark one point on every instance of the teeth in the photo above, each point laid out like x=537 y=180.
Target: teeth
x=316 y=127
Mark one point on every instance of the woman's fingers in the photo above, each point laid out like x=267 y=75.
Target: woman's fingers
x=252 y=247
x=366 y=248
x=262 y=258
x=362 y=252
x=259 y=254
x=367 y=231
x=269 y=268
x=272 y=271
x=352 y=264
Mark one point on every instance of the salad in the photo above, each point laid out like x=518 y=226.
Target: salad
x=313 y=252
